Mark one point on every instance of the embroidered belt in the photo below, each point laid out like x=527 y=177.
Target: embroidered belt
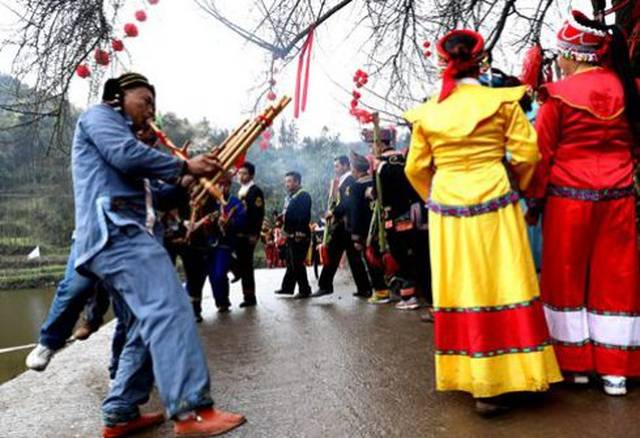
x=474 y=210
x=400 y=223
x=590 y=194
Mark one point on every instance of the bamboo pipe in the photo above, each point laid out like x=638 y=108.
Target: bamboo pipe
x=166 y=141
x=238 y=143
x=231 y=153
x=183 y=155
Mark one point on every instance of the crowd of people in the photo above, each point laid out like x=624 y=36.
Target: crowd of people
x=438 y=225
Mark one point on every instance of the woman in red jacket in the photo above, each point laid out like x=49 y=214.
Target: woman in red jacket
x=584 y=186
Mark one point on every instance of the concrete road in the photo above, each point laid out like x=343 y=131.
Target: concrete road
x=328 y=367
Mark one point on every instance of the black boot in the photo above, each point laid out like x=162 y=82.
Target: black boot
x=249 y=300
x=321 y=292
x=491 y=407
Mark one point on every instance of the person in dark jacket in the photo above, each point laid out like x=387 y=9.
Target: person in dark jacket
x=339 y=238
x=361 y=213
x=398 y=198
x=253 y=199
x=219 y=228
x=297 y=215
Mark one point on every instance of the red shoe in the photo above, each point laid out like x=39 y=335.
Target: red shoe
x=144 y=421
x=208 y=422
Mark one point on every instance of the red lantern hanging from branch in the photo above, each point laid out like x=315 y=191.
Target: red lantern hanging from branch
x=141 y=16
x=117 y=45
x=360 y=79
x=101 y=57
x=83 y=71
x=153 y=2
x=271 y=94
x=131 y=30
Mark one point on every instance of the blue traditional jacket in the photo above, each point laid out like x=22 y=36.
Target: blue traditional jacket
x=109 y=166
x=227 y=240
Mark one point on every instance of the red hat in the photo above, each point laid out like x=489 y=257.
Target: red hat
x=452 y=67
x=580 y=42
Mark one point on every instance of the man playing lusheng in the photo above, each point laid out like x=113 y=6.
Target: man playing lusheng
x=114 y=243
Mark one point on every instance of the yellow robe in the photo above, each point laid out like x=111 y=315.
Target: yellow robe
x=482 y=269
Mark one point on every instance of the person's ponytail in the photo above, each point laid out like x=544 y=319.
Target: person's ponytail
x=621 y=64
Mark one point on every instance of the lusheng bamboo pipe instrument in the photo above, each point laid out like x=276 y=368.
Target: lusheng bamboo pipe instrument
x=183 y=154
x=236 y=145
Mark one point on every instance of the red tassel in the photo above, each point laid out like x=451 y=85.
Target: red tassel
x=532 y=67
x=301 y=105
x=240 y=161
x=323 y=252
x=391 y=266
x=372 y=257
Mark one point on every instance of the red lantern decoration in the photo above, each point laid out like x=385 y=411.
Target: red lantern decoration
x=426 y=44
x=102 y=57
x=427 y=53
x=83 y=71
x=360 y=78
x=354 y=103
x=131 y=30
x=272 y=82
x=271 y=95
x=153 y=2
x=141 y=15
x=117 y=45
x=266 y=135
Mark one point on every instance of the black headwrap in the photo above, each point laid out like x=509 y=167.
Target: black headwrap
x=114 y=88
x=359 y=162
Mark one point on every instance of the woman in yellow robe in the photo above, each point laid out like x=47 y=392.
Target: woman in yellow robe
x=490 y=331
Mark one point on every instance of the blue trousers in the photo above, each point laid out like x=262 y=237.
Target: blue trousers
x=74 y=293
x=162 y=340
x=216 y=266
x=70 y=298
x=119 y=335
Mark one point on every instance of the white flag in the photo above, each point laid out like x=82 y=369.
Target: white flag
x=34 y=254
